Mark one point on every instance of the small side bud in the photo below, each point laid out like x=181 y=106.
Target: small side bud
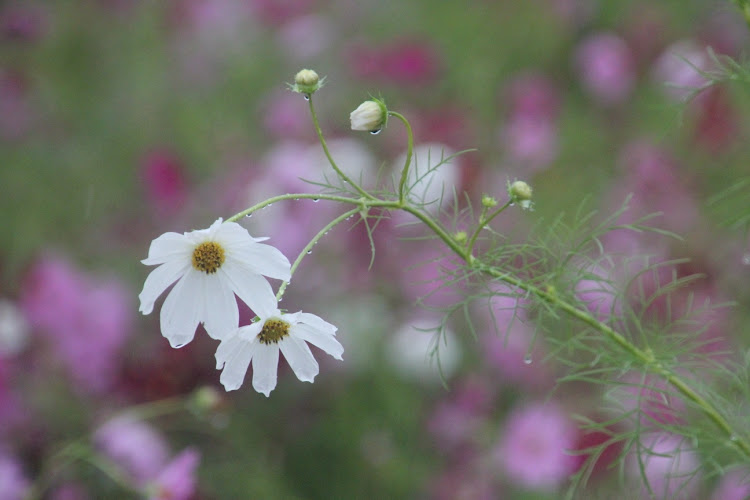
x=461 y=236
x=371 y=116
x=520 y=193
x=488 y=201
x=306 y=82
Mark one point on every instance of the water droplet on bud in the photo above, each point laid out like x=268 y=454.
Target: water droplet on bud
x=307 y=97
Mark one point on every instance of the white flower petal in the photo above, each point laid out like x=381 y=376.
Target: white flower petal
x=252 y=288
x=167 y=247
x=232 y=234
x=300 y=358
x=181 y=311
x=221 y=315
x=159 y=280
x=263 y=259
x=319 y=338
x=265 y=365
x=234 y=355
x=317 y=322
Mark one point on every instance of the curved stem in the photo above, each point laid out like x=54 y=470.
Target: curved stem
x=323 y=143
x=293 y=196
x=483 y=223
x=409 y=152
x=312 y=243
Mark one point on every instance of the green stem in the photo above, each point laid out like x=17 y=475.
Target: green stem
x=323 y=143
x=409 y=152
x=483 y=223
x=308 y=248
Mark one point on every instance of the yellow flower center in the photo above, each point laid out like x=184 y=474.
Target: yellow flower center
x=208 y=257
x=273 y=330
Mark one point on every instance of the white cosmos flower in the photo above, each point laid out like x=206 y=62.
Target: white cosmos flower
x=261 y=342
x=210 y=266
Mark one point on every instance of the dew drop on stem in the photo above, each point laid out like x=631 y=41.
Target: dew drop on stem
x=527 y=359
x=375 y=132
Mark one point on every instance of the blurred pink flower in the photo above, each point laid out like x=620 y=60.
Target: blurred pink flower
x=454 y=420
x=535 y=444
x=529 y=135
x=508 y=351
x=164 y=180
x=671 y=468
x=13 y=483
x=605 y=67
x=306 y=37
x=70 y=491
x=176 y=481
x=405 y=62
x=134 y=445
x=599 y=294
x=23 y=23
x=651 y=398
x=678 y=68
x=278 y=12
x=734 y=485
x=86 y=321
x=285 y=116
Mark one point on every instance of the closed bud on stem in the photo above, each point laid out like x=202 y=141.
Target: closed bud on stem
x=461 y=236
x=306 y=82
x=370 y=116
x=488 y=201
x=520 y=193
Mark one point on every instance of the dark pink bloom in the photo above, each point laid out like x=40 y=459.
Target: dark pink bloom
x=164 y=180
x=176 y=481
x=534 y=450
x=605 y=67
x=406 y=62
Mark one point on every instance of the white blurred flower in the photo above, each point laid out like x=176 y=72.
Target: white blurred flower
x=411 y=347
x=260 y=342
x=429 y=183
x=14 y=329
x=210 y=266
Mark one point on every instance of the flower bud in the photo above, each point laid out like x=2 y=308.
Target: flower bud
x=306 y=82
x=520 y=193
x=488 y=201
x=370 y=116
x=460 y=236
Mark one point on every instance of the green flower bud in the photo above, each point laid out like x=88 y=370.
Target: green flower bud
x=461 y=236
x=306 y=82
x=371 y=116
x=488 y=201
x=520 y=193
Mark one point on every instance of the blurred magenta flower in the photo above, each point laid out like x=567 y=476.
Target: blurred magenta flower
x=85 y=320
x=678 y=68
x=176 y=481
x=733 y=485
x=13 y=483
x=671 y=468
x=22 y=23
x=404 y=62
x=597 y=291
x=605 y=66
x=134 y=445
x=164 y=181
x=529 y=134
x=534 y=449
x=455 y=420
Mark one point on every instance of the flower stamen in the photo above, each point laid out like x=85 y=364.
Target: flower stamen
x=208 y=257
x=273 y=330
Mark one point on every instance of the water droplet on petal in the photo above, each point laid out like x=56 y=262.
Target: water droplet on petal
x=375 y=132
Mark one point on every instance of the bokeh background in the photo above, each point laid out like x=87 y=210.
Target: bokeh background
x=124 y=119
